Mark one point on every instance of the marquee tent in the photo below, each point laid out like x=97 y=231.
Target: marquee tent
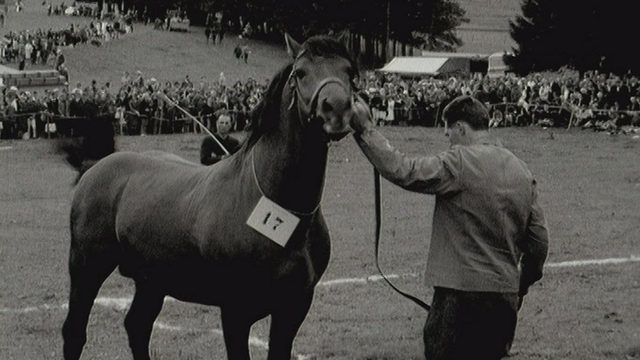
x=431 y=65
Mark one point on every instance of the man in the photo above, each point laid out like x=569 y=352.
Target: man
x=210 y=151
x=60 y=59
x=489 y=239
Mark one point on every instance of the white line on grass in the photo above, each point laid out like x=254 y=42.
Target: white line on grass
x=123 y=303
x=575 y=263
x=609 y=261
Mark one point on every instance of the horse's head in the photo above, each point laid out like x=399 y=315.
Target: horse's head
x=322 y=83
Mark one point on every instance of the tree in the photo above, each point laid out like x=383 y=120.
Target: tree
x=581 y=34
x=428 y=24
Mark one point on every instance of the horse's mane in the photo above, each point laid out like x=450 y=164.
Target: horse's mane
x=265 y=116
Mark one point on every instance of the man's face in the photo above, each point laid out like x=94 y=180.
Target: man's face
x=224 y=124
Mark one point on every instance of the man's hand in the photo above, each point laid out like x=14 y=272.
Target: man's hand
x=361 y=119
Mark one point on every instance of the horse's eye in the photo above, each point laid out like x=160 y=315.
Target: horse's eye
x=299 y=73
x=351 y=73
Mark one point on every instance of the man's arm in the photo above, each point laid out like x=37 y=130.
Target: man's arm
x=534 y=247
x=430 y=174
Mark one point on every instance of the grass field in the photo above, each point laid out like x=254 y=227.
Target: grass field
x=589 y=185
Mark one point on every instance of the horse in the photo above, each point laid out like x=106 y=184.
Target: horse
x=181 y=229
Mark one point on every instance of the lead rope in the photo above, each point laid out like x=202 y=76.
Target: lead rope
x=378 y=206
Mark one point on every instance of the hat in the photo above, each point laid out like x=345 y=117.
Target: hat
x=13 y=88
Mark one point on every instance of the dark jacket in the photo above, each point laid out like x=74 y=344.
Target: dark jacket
x=211 y=152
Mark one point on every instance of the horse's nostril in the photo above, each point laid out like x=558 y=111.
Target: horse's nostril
x=326 y=107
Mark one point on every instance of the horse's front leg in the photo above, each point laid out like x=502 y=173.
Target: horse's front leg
x=236 y=326
x=145 y=308
x=285 y=323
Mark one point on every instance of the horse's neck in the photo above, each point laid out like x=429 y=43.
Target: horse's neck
x=290 y=167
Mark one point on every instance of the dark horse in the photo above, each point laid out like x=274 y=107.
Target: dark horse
x=180 y=229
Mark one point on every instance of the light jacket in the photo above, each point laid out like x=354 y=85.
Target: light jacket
x=489 y=232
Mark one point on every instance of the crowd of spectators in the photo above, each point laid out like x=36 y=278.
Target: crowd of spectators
x=137 y=106
x=43 y=47
x=73 y=9
x=601 y=101
x=40 y=47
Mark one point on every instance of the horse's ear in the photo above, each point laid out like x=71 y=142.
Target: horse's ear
x=293 y=47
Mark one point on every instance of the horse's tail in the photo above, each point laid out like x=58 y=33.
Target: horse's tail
x=96 y=140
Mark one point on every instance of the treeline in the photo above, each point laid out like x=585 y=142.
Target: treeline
x=427 y=24
x=580 y=34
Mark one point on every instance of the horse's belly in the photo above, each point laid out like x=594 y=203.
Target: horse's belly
x=225 y=284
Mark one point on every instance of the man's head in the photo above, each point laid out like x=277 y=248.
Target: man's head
x=463 y=117
x=223 y=124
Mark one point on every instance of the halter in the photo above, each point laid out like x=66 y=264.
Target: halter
x=312 y=107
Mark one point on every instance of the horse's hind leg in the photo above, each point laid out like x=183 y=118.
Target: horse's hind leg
x=87 y=273
x=285 y=324
x=147 y=304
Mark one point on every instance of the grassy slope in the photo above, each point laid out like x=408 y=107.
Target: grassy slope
x=488 y=28
x=490 y=14
x=167 y=56
x=170 y=56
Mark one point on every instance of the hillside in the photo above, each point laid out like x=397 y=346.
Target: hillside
x=167 y=56
x=488 y=28
x=490 y=14
x=170 y=56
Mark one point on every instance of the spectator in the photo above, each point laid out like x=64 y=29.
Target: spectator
x=210 y=150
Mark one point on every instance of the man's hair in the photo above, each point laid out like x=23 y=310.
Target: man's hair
x=469 y=110
x=223 y=113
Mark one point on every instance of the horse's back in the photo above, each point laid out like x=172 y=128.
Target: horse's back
x=134 y=178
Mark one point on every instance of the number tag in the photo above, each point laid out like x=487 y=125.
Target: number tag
x=273 y=221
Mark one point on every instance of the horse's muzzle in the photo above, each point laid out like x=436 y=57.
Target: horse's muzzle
x=335 y=108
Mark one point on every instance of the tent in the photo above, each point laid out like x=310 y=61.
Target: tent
x=497 y=67
x=433 y=64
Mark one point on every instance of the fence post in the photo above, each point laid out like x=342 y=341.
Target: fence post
x=573 y=110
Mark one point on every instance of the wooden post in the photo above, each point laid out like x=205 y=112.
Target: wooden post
x=573 y=111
